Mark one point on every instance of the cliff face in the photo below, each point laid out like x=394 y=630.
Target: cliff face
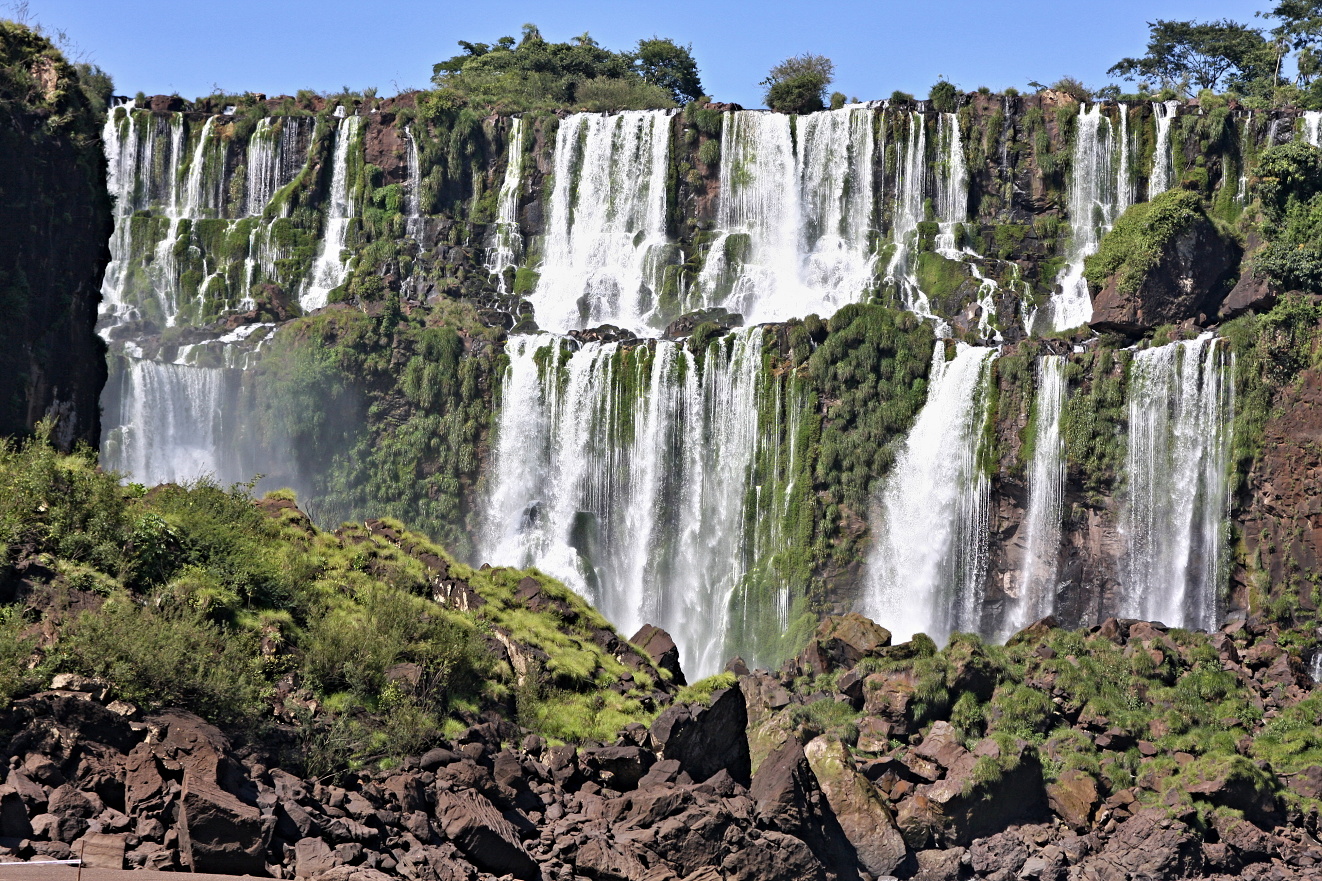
x=54 y=223
x=345 y=295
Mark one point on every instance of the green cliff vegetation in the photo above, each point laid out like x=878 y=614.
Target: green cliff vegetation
x=354 y=646
x=535 y=74
x=1141 y=237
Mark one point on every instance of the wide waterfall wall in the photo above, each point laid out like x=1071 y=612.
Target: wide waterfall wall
x=1181 y=410
x=607 y=228
x=1046 y=485
x=626 y=473
x=200 y=241
x=927 y=567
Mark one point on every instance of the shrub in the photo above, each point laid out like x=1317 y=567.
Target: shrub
x=1141 y=237
x=710 y=153
x=798 y=84
x=168 y=656
x=944 y=97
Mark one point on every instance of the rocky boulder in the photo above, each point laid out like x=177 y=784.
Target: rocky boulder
x=707 y=739
x=858 y=807
x=841 y=641
x=660 y=647
x=1164 y=262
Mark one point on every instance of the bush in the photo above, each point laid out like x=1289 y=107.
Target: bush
x=168 y=656
x=710 y=153
x=601 y=95
x=798 y=84
x=1141 y=237
x=944 y=97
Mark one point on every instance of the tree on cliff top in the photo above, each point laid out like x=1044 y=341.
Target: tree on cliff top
x=665 y=63
x=1192 y=56
x=798 y=84
x=535 y=74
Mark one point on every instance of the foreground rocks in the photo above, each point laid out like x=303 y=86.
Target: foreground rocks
x=692 y=798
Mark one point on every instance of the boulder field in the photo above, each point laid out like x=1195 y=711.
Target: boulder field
x=752 y=782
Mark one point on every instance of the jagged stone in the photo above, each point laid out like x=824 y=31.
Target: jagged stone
x=1073 y=797
x=486 y=838
x=789 y=799
x=863 y=816
x=707 y=739
x=661 y=648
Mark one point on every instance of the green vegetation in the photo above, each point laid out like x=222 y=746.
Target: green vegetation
x=798 y=84
x=1289 y=188
x=1192 y=55
x=1141 y=237
x=534 y=74
x=201 y=598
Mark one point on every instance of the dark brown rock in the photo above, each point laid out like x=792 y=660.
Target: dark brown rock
x=707 y=739
x=1150 y=846
x=841 y=641
x=1073 y=797
x=789 y=799
x=486 y=838
x=858 y=807
x=658 y=645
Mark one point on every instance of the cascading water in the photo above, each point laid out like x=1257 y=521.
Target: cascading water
x=606 y=234
x=1181 y=410
x=1312 y=123
x=636 y=499
x=329 y=269
x=178 y=198
x=507 y=245
x=795 y=223
x=413 y=193
x=1095 y=196
x=1162 y=167
x=1046 y=484
x=165 y=428
x=926 y=569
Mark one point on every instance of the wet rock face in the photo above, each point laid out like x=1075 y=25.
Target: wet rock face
x=54 y=227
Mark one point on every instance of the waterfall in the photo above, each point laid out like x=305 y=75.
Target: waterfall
x=926 y=569
x=1162 y=167
x=627 y=474
x=165 y=426
x=1095 y=194
x=329 y=269
x=1046 y=484
x=1312 y=118
x=795 y=224
x=1181 y=411
x=178 y=200
x=1124 y=172
x=949 y=208
x=606 y=232
x=413 y=192
x=910 y=189
x=507 y=245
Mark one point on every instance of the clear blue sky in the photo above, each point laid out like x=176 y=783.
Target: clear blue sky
x=280 y=46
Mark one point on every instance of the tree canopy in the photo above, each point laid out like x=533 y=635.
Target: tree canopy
x=1191 y=56
x=798 y=84
x=534 y=73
